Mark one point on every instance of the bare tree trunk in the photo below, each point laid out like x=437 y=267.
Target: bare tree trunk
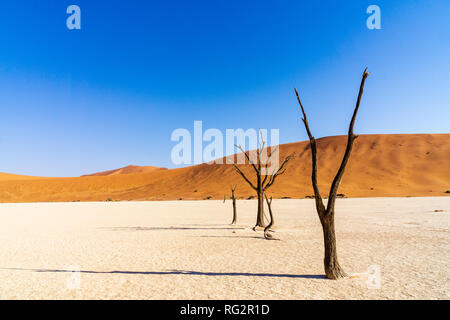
x=260 y=215
x=233 y=199
x=332 y=268
x=234 y=210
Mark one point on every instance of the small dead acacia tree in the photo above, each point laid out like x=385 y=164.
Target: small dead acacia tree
x=264 y=180
x=326 y=214
x=233 y=199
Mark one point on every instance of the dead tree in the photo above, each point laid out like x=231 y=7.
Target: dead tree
x=264 y=180
x=233 y=199
x=326 y=214
x=267 y=230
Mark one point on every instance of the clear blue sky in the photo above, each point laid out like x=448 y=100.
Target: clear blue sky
x=110 y=94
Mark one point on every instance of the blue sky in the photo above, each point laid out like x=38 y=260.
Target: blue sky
x=109 y=95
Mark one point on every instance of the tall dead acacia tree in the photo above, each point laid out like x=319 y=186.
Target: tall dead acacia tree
x=264 y=179
x=326 y=214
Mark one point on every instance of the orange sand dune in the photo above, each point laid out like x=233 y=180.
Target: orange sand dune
x=10 y=176
x=126 y=170
x=397 y=165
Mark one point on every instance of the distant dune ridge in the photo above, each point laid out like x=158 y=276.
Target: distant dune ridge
x=396 y=165
x=126 y=170
x=12 y=177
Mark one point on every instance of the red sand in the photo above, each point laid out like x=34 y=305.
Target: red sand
x=397 y=165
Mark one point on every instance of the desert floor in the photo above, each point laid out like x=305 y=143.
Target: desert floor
x=186 y=250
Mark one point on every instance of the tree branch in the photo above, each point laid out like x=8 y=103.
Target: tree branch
x=261 y=145
x=267 y=163
x=278 y=172
x=248 y=158
x=304 y=119
x=350 y=139
x=272 y=150
x=312 y=141
x=243 y=176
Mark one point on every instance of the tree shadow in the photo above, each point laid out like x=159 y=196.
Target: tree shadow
x=242 y=237
x=210 y=225
x=167 y=228
x=180 y=272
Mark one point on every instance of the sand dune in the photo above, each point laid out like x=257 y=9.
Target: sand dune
x=381 y=165
x=11 y=177
x=126 y=170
